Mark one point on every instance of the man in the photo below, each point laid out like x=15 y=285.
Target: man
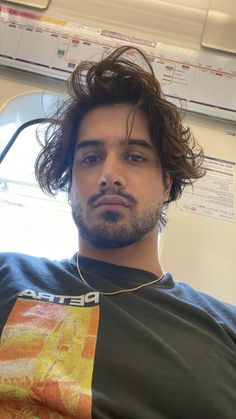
x=108 y=334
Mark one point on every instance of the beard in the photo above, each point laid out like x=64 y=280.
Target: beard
x=111 y=231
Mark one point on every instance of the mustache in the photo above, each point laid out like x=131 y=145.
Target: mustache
x=94 y=198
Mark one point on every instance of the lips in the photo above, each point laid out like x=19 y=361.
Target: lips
x=112 y=200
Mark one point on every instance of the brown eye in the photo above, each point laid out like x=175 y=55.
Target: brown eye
x=90 y=160
x=134 y=158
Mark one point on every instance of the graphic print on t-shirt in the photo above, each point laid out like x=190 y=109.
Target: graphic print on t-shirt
x=46 y=360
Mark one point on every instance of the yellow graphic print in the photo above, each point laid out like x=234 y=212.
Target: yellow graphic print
x=46 y=361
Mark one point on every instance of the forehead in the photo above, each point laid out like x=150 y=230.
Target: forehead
x=113 y=123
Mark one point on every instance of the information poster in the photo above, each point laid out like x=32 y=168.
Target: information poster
x=192 y=78
x=214 y=194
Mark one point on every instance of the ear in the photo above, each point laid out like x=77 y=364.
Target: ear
x=167 y=186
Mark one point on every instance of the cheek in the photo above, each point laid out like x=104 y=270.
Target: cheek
x=75 y=192
x=80 y=191
x=151 y=188
x=157 y=196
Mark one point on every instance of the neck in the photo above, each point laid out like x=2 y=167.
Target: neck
x=140 y=255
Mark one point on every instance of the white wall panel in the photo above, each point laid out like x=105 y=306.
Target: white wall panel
x=198 y=249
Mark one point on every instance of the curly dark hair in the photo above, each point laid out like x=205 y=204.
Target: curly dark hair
x=118 y=79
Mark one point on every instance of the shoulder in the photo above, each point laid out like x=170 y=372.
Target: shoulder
x=19 y=260
x=8 y=257
x=200 y=297
x=18 y=263
x=224 y=313
x=15 y=261
x=20 y=271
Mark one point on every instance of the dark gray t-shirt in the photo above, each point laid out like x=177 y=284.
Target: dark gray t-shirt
x=164 y=351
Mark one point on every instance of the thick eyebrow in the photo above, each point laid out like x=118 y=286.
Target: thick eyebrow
x=126 y=143
x=136 y=141
x=89 y=143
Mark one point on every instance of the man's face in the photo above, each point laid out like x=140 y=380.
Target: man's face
x=117 y=185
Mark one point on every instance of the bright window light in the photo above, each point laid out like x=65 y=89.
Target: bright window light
x=32 y=222
x=6 y=131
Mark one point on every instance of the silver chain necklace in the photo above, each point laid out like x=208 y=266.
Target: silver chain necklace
x=119 y=291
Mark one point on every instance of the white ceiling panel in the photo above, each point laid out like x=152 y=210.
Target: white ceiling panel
x=175 y=22
x=220 y=28
x=38 y=4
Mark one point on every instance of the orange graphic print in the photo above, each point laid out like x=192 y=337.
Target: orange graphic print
x=46 y=361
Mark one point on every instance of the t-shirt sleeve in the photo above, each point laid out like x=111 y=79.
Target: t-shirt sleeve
x=223 y=313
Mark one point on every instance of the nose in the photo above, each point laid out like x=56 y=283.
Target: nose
x=112 y=175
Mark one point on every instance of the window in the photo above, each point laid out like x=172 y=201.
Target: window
x=30 y=221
